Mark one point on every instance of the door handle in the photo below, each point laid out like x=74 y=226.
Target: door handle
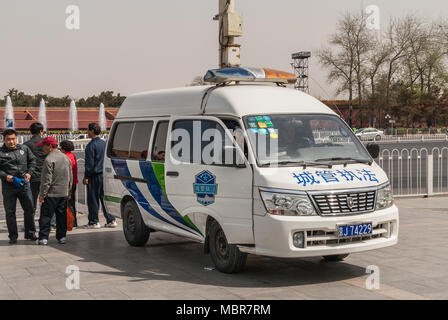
x=172 y=174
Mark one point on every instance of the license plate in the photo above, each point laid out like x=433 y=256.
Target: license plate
x=355 y=230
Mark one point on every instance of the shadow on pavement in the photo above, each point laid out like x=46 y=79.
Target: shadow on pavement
x=171 y=258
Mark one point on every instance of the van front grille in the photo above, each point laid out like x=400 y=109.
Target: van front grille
x=345 y=203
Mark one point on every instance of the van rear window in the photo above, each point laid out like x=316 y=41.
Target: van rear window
x=140 y=140
x=121 y=140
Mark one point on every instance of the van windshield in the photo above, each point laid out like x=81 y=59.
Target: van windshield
x=296 y=139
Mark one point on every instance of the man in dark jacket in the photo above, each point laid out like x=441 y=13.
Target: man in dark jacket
x=37 y=130
x=17 y=164
x=93 y=178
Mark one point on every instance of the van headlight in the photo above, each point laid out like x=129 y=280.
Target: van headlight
x=285 y=204
x=384 y=198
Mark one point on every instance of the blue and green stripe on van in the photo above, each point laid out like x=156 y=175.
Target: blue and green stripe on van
x=154 y=174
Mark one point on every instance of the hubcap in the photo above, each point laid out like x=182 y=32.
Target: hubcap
x=222 y=248
x=131 y=222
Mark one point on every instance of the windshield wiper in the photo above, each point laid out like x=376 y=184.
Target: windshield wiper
x=304 y=164
x=328 y=144
x=347 y=159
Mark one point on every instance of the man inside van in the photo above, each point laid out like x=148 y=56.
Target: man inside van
x=293 y=138
x=93 y=179
x=160 y=156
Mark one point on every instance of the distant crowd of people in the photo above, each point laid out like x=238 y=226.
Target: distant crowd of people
x=40 y=170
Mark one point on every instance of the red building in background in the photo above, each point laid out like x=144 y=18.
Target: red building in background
x=57 y=118
x=342 y=108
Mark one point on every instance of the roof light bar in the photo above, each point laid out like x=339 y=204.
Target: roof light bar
x=249 y=75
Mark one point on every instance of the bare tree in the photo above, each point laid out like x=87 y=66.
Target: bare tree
x=442 y=34
x=402 y=72
x=425 y=53
x=364 y=40
x=436 y=54
x=423 y=59
x=398 y=41
x=342 y=57
x=378 y=57
x=414 y=60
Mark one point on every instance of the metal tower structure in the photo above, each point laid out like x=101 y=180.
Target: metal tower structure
x=301 y=68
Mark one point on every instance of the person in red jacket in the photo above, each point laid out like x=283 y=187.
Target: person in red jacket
x=67 y=147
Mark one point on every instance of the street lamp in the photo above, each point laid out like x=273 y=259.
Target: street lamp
x=388 y=117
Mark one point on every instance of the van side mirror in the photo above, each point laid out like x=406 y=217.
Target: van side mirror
x=373 y=149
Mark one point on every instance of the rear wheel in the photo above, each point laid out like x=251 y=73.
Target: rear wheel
x=135 y=230
x=226 y=257
x=335 y=258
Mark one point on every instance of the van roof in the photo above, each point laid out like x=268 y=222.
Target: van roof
x=237 y=100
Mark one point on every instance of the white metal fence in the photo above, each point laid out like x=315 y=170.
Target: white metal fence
x=80 y=141
x=80 y=144
x=408 y=138
x=81 y=190
x=412 y=172
x=417 y=137
x=416 y=171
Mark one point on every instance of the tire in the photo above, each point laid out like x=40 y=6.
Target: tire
x=135 y=230
x=336 y=258
x=226 y=257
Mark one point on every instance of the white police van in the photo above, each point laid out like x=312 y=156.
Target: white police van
x=246 y=168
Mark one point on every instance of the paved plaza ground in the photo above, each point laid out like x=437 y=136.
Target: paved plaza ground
x=170 y=267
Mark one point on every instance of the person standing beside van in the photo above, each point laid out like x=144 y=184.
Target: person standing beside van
x=17 y=164
x=55 y=188
x=93 y=178
x=67 y=147
x=37 y=131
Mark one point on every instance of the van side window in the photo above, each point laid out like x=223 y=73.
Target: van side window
x=199 y=149
x=159 y=144
x=121 y=140
x=140 y=140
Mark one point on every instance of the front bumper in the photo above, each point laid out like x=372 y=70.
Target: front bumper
x=274 y=234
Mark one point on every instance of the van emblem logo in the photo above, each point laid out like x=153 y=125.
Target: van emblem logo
x=350 y=202
x=205 y=187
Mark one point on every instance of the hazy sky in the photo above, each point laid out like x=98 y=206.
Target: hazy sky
x=138 y=45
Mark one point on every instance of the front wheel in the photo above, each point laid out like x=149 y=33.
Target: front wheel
x=134 y=228
x=335 y=258
x=226 y=257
